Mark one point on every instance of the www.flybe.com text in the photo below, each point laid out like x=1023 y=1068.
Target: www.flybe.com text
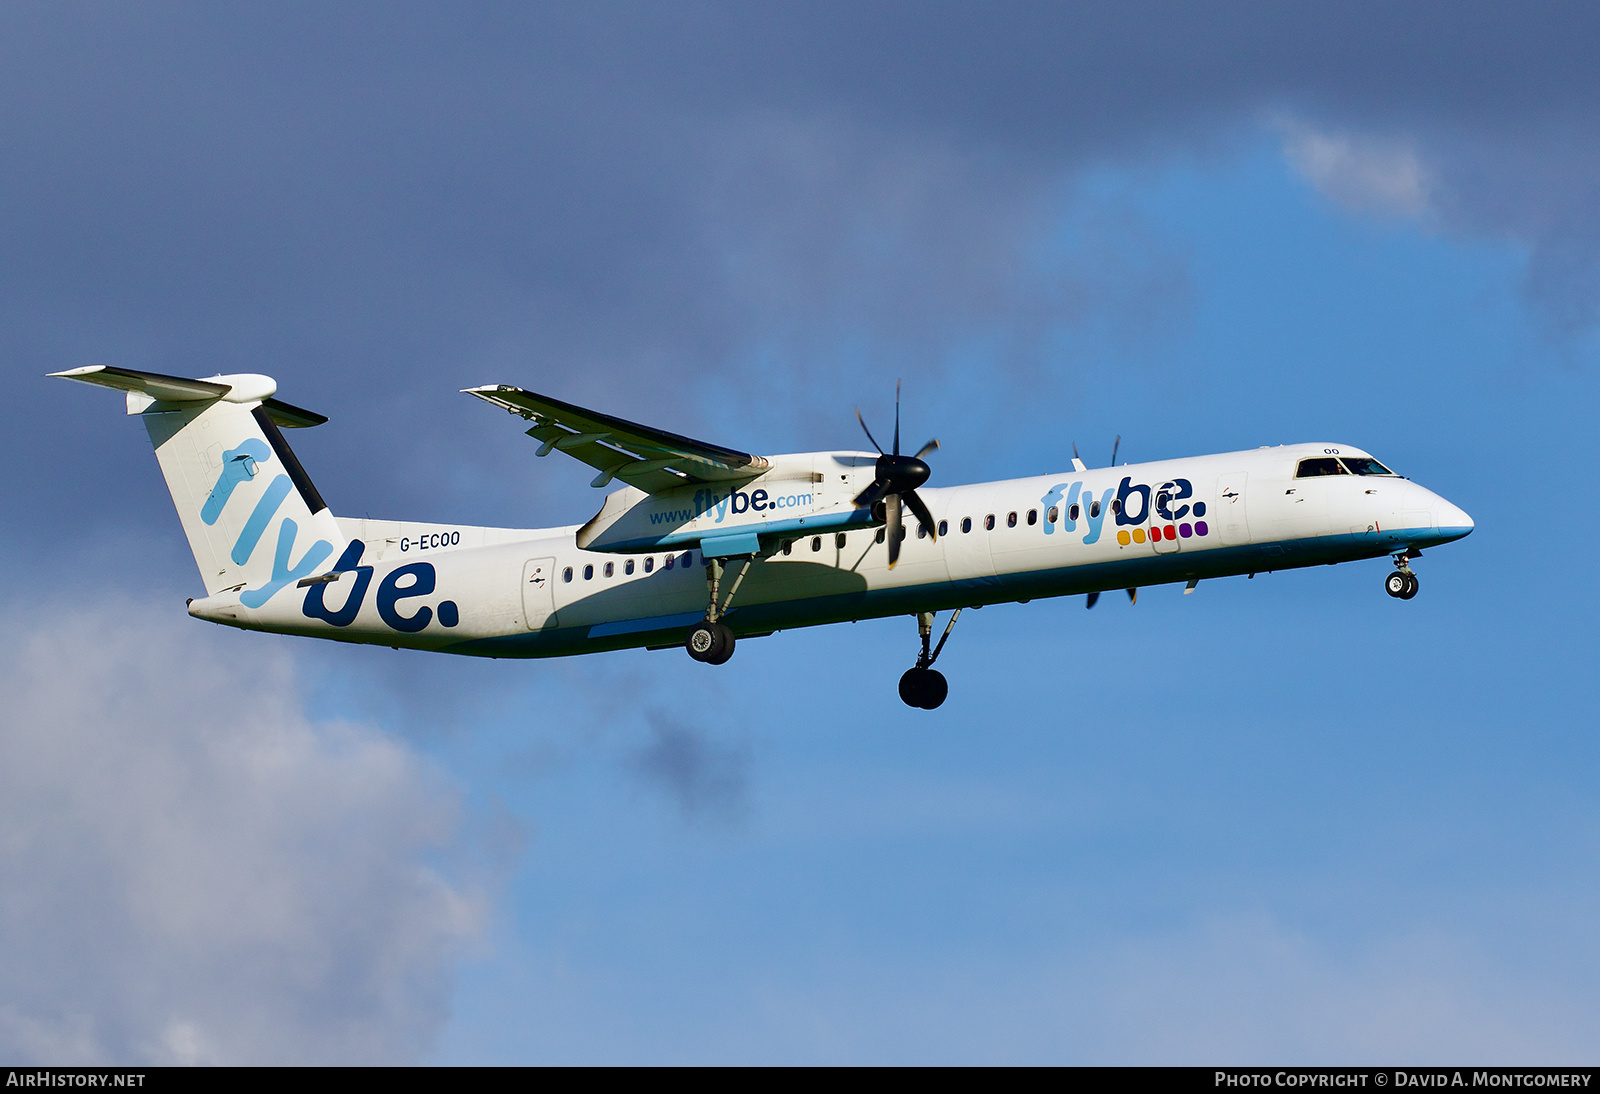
x=736 y=501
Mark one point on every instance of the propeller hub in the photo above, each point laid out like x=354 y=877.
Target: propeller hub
x=902 y=473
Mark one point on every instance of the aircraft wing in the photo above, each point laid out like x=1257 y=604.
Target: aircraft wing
x=651 y=459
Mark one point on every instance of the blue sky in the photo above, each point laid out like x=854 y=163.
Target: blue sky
x=1284 y=818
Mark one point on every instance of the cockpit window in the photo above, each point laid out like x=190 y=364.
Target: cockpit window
x=1365 y=465
x=1322 y=465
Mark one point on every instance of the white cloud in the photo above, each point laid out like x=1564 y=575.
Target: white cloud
x=1364 y=173
x=191 y=871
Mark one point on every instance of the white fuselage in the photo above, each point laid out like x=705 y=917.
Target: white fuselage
x=641 y=580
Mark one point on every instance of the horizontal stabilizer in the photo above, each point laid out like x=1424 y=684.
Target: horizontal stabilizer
x=161 y=388
x=166 y=389
x=650 y=459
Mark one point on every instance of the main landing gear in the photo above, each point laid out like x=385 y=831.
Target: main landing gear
x=711 y=641
x=1402 y=584
x=924 y=686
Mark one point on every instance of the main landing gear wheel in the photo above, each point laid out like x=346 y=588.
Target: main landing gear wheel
x=711 y=643
x=1402 y=585
x=923 y=688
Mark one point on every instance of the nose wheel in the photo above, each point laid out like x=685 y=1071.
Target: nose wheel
x=923 y=686
x=1402 y=584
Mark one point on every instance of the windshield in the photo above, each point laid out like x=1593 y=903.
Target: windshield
x=1365 y=465
x=1326 y=465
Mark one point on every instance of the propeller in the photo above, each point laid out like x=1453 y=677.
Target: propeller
x=895 y=481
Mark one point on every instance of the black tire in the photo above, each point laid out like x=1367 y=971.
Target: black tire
x=1396 y=584
x=1411 y=587
x=724 y=647
x=923 y=688
x=911 y=687
x=702 y=642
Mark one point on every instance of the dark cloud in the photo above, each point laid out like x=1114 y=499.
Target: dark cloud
x=708 y=779
x=670 y=208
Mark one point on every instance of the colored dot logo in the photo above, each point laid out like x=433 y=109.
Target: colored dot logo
x=1164 y=531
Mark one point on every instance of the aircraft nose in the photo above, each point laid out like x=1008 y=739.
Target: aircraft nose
x=1451 y=519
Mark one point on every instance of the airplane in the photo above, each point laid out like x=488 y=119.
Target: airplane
x=702 y=545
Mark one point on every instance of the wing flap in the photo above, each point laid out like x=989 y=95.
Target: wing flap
x=653 y=460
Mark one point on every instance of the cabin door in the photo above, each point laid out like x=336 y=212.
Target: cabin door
x=1229 y=517
x=539 y=593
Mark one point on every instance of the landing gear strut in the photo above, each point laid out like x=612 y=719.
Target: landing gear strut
x=1402 y=584
x=711 y=641
x=924 y=686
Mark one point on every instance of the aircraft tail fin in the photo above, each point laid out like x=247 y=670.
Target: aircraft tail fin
x=255 y=522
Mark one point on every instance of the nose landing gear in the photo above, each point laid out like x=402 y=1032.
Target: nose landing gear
x=1402 y=584
x=922 y=685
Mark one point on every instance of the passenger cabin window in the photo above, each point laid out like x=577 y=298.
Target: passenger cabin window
x=566 y=575
x=1116 y=505
x=1011 y=519
x=922 y=532
x=944 y=528
x=1094 y=509
x=649 y=563
x=816 y=543
x=687 y=560
x=1051 y=515
x=1033 y=517
x=838 y=540
x=611 y=569
x=966 y=524
x=988 y=523
x=1072 y=512
x=788 y=546
x=881 y=536
x=1365 y=465
x=627 y=567
x=666 y=563
x=1316 y=468
x=588 y=573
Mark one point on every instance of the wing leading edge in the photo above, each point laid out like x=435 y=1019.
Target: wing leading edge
x=652 y=460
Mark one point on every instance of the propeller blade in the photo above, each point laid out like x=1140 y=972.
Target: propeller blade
x=929 y=447
x=897 y=417
x=1133 y=596
x=872 y=494
x=1115 y=445
x=868 y=432
x=924 y=517
x=1091 y=600
x=891 y=511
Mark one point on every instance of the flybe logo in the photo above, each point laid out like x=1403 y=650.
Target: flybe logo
x=735 y=501
x=240 y=465
x=400 y=584
x=1166 y=508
